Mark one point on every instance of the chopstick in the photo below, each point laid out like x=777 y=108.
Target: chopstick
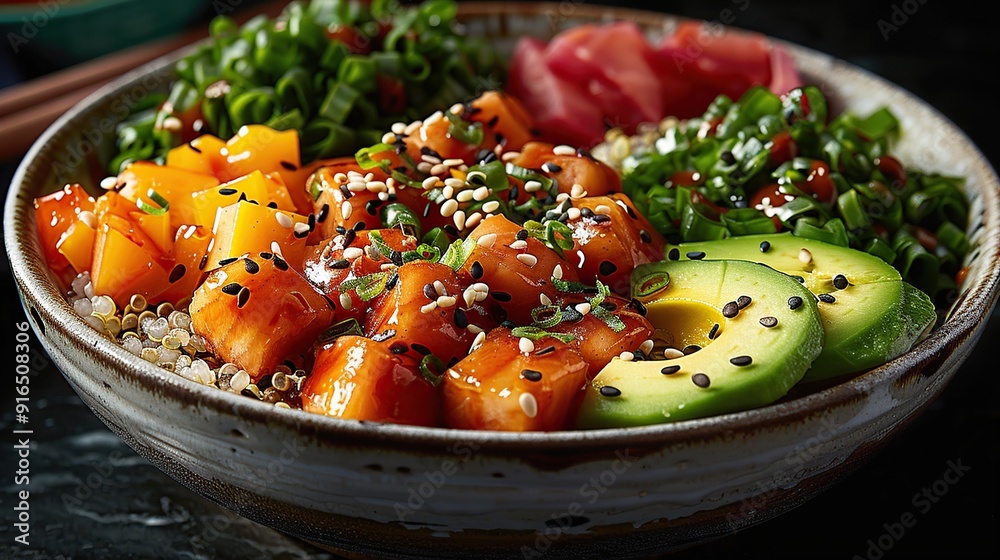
x=27 y=109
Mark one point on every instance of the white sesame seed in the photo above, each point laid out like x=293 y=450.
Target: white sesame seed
x=424 y=167
x=430 y=159
x=508 y=156
x=564 y=150
x=672 y=353
x=352 y=253
x=439 y=288
x=482 y=193
x=491 y=206
x=353 y=175
x=383 y=196
x=481 y=287
x=446 y=301
x=463 y=196
x=532 y=186
x=544 y=299
x=486 y=240
x=526 y=345
x=172 y=124
x=528 y=259
x=469 y=295
x=357 y=186
x=389 y=138
x=453 y=162
x=369 y=177
x=602 y=209
x=435 y=117
x=577 y=191
x=457 y=109
x=455 y=182
x=528 y=404
x=478 y=341
x=346 y=210
x=448 y=192
x=398 y=127
x=377 y=186
x=276 y=249
x=449 y=207
x=301 y=227
x=626 y=356
x=557 y=272
x=387 y=266
x=805 y=256
x=346 y=302
x=573 y=214
x=90 y=219
x=439 y=169
x=283 y=220
x=562 y=197
x=412 y=127
x=109 y=183
x=474 y=329
x=518 y=244
x=583 y=308
x=646 y=347
x=459 y=219
x=340 y=178
x=473 y=220
x=429 y=307
x=430 y=183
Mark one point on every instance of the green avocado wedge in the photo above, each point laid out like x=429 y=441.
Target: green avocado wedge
x=870 y=315
x=758 y=331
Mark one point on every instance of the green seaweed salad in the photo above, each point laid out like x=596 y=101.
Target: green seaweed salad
x=766 y=163
x=338 y=72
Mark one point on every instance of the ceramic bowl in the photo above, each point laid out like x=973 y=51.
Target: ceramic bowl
x=386 y=490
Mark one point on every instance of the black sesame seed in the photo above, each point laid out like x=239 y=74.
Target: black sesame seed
x=741 y=361
x=696 y=255
x=359 y=225
x=827 y=298
x=546 y=350
x=251 y=266
x=769 y=322
x=340 y=229
x=639 y=307
x=312 y=222
x=372 y=207
x=266 y=255
x=272 y=205
x=500 y=139
x=690 y=349
x=430 y=292
x=607 y=268
x=674 y=254
x=461 y=321
x=430 y=152
x=392 y=281
x=730 y=310
x=493 y=122
x=713 y=332
x=421 y=349
x=204 y=261
x=645 y=237
x=349 y=237
x=476 y=270
x=227 y=191
x=501 y=296
x=743 y=301
x=794 y=302
x=584 y=152
x=450 y=229
x=243 y=297
x=701 y=380
x=289 y=165
x=399 y=347
x=323 y=213
x=177 y=273
x=840 y=282
x=670 y=370
x=609 y=305
x=601 y=218
x=301 y=234
x=194 y=148
x=728 y=157
x=798 y=279
x=531 y=375
x=243 y=196
x=396 y=257
x=765 y=246
x=550 y=167
x=280 y=263
x=609 y=391
x=586 y=212
x=513 y=193
x=630 y=212
x=521 y=234
x=228 y=261
x=427 y=209
x=329 y=301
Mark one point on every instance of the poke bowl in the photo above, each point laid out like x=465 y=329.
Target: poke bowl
x=380 y=489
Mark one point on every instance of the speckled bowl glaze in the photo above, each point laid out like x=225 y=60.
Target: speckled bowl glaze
x=386 y=490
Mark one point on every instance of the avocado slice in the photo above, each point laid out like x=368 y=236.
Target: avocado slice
x=741 y=364
x=874 y=318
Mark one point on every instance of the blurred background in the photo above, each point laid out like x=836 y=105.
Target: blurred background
x=944 y=52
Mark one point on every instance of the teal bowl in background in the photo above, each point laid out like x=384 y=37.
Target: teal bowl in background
x=66 y=32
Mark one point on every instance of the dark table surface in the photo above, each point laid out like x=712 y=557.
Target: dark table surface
x=93 y=497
